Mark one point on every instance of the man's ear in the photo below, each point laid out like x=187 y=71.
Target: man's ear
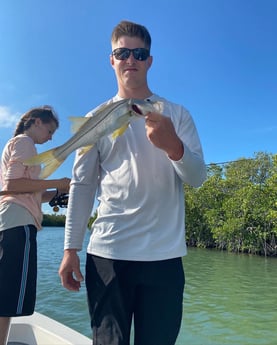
x=149 y=61
x=111 y=60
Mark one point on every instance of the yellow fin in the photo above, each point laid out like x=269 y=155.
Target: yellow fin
x=119 y=131
x=77 y=123
x=84 y=149
x=48 y=159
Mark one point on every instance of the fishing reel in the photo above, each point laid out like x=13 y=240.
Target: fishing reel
x=59 y=201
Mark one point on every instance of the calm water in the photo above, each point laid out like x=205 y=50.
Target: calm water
x=229 y=299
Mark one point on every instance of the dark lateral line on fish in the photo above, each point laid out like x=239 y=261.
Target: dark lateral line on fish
x=98 y=118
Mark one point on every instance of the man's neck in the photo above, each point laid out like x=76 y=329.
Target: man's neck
x=134 y=93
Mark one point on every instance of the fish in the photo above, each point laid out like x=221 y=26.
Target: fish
x=112 y=118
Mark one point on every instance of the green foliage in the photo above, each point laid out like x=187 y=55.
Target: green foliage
x=236 y=208
x=59 y=220
x=92 y=219
x=53 y=220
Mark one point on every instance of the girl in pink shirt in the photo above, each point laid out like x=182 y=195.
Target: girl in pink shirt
x=20 y=214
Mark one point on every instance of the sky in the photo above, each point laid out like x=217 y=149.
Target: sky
x=218 y=58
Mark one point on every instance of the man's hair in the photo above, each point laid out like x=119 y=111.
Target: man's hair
x=126 y=28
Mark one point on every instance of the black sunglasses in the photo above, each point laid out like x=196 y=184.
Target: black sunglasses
x=140 y=54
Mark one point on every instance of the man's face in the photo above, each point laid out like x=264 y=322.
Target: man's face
x=130 y=72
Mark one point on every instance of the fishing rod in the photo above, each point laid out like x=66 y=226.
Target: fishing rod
x=56 y=202
x=59 y=201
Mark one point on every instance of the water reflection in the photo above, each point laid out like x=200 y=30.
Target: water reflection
x=229 y=299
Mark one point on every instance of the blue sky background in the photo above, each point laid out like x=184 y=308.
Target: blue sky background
x=216 y=57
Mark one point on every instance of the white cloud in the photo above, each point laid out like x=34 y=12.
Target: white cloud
x=8 y=119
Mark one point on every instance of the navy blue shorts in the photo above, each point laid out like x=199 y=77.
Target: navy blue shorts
x=18 y=271
x=149 y=293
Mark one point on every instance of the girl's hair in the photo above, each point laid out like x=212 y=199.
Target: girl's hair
x=126 y=28
x=45 y=113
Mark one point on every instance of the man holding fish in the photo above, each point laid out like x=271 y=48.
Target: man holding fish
x=134 y=257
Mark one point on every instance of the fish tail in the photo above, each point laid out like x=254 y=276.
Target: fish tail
x=49 y=161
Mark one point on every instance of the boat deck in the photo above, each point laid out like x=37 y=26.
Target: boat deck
x=38 y=329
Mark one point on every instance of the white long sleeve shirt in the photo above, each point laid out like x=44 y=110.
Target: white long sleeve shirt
x=141 y=213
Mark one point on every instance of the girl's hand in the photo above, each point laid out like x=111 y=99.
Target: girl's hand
x=63 y=185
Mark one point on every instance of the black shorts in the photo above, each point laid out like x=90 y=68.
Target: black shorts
x=149 y=293
x=18 y=271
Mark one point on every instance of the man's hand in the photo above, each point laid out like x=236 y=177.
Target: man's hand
x=161 y=133
x=70 y=274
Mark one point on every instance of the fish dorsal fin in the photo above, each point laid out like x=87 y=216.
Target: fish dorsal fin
x=77 y=122
x=119 y=131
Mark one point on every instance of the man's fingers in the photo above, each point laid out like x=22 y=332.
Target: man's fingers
x=153 y=117
x=70 y=283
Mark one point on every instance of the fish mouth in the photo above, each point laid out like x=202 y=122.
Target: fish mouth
x=136 y=109
x=140 y=107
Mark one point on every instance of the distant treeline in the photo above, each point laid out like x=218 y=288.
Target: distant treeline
x=53 y=220
x=59 y=220
x=234 y=210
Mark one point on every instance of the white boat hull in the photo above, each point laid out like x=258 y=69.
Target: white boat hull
x=39 y=329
